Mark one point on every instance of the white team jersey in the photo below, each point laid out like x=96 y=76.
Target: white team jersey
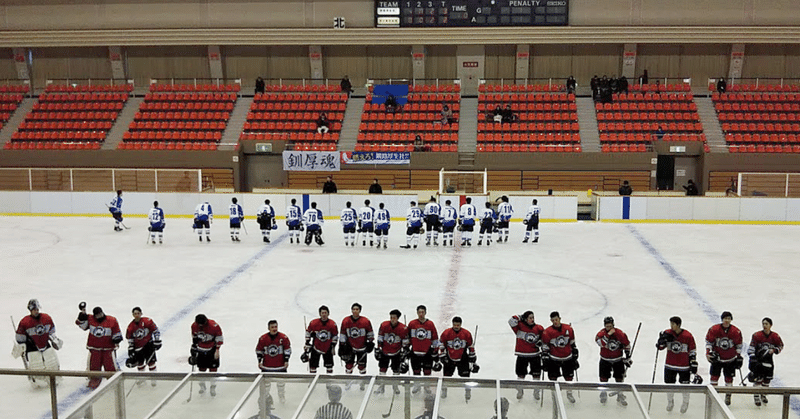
x=414 y=215
x=505 y=211
x=156 y=216
x=382 y=217
x=468 y=211
x=432 y=208
x=348 y=216
x=204 y=209
x=487 y=213
x=236 y=212
x=366 y=214
x=449 y=214
x=312 y=216
x=533 y=213
x=266 y=210
x=293 y=213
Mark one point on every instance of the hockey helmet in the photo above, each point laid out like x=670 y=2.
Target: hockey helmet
x=33 y=304
x=608 y=320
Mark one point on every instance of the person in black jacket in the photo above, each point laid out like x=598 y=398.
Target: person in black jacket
x=329 y=186
x=691 y=189
x=625 y=189
x=346 y=86
x=722 y=85
x=375 y=187
x=260 y=85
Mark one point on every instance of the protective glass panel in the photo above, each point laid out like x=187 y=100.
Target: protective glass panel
x=690 y=401
x=143 y=392
x=265 y=400
x=529 y=399
x=615 y=401
x=335 y=398
x=205 y=396
x=464 y=399
x=744 y=406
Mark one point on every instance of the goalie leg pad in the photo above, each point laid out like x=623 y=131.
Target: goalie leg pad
x=51 y=360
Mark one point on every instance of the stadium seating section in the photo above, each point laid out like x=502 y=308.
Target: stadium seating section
x=396 y=131
x=546 y=119
x=760 y=119
x=10 y=98
x=629 y=123
x=289 y=113
x=70 y=117
x=181 y=117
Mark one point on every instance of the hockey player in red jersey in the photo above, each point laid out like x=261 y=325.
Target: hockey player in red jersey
x=322 y=334
x=560 y=356
x=391 y=348
x=527 y=349
x=424 y=344
x=724 y=351
x=37 y=343
x=763 y=345
x=104 y=338
x=273 y=351
x=458 y=353
x=356 y=340
x=681 y=358
x=144 y=339
x=206 y=342
x=615 y=356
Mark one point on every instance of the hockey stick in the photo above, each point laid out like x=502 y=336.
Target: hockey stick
x=191 y=388
x=742 y=377
x=145 y=363
x=24 y=355
x=391 y=405
x=653 y=380
x=244 y=226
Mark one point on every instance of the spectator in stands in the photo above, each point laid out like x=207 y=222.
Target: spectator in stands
x=595 y=85
x=722 y=85
x=375 y=187
x=346 y=86
x=391 y=103
x=613 y=83
x=571 y=84
x=625 y=189
x=508 y=114
x=691 y=189
x=447 y=115
x=644 y=79
x=329 y=186
x=260 y=85
x=497 y=114
x=623 y=85
x=660 y=133
x=419 y=145
x=323 y=125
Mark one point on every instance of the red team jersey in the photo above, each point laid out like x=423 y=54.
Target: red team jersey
x=36 y=330
x=325 y=334
x=141 y=333
x=761 y=340
x=357 y=332
x=727 y=343
x=612 y=346
x=560 y=341
x=208 y=336
x=103 y=335
x=680 y=350
x=392 y=339
x=528 y=338
x=457 y=343
x=274 y=351
x=423 y=336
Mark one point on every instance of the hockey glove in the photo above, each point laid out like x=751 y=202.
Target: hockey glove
x=370 y=346
x=82 y=306
x=156 y=345
x=627 y=362
x=712 y=357
x=474 y=368
x=513 y=321
x=763 y=353
x=378 y=355
x=697 y=379
x=18 y=350
x=525 y=222
x=302 y=228
x=150 y=228
x=131 y=350
x=575 y=353
x=131 y=362
x=304 y=357
x=663 y=339
x=738 y=362
x=404 y=367
x=82 y=316
x=56 y=343
x=693 y=365
x=437 y=365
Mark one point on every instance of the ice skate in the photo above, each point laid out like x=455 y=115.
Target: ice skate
x=362 y=386
x=467 y=395
x=208 y=238
x=201 y=239
x=520 y=394
x=603 y=397
x=415 y=388
x=405 y=247
x=670 y=405
x=213 y=391
x=396 y=388
x=684 y=406
x=381 y=389
x=371 y=243
x=291 y=240
x=764 y=399
x=537 y=394
x=757 y=399
x=480 y=242
x=435 y=243
x=525 y=240
x=621 y=399
x=570 y=397
x=728 y=399
x=202 y=388
x=536 y=240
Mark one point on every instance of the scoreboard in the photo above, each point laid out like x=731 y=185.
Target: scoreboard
x=470 y=13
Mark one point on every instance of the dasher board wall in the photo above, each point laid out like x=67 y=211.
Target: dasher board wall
x=700 y=209
x=556 y=208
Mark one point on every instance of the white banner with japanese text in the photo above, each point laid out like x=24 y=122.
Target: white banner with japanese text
x=311 y=161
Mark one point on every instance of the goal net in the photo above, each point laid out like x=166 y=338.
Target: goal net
x=769 y=184
x=458 y=182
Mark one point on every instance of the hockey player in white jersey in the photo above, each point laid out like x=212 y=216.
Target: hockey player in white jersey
x=382 y=223
x=294 y=221
x=115 y=208
x=414 y=226
x=366 y=223
x=467 y=220
x=348 y=219
x=266 y=220
x=157 y=224
x=504 y=213
x=449 y=219
x=313 y=221
x=203 y=218
x=532 y=222
x=488 y=218
x=432 y=223
x=236 y=219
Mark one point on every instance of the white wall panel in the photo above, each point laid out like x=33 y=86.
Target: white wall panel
x=760 y=209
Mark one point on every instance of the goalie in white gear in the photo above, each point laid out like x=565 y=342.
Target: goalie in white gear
x=36 y=342
x=532 y=222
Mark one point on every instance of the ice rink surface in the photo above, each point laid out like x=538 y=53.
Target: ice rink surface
x=586 y=271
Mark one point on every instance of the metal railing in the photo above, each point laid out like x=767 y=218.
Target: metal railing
x=549 y=81
x=52 y=376
x=414 y=82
